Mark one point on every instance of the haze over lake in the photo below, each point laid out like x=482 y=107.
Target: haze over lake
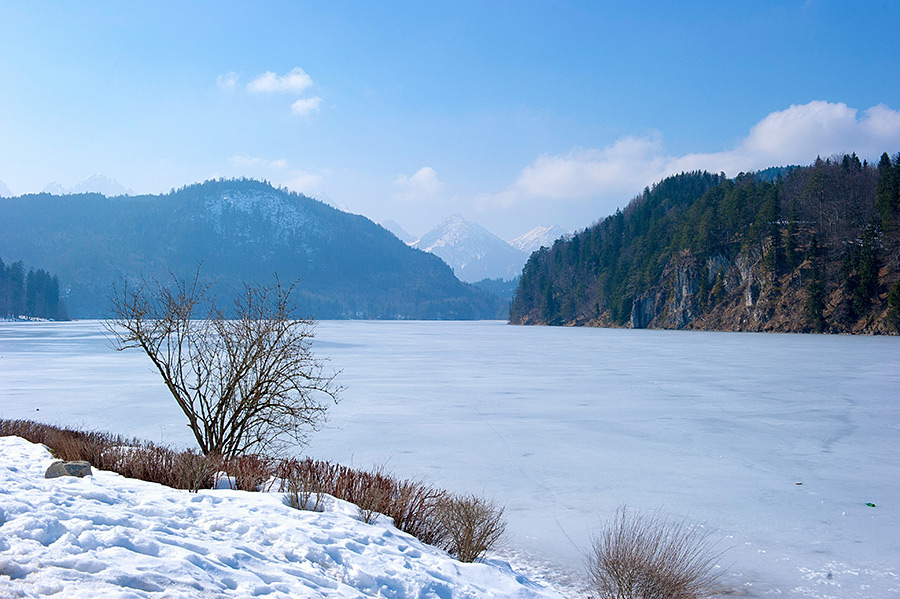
x=777 y=442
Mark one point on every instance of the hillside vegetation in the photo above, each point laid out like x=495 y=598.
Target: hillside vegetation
x=239 y=230
x=31 y=294
x=800 y=249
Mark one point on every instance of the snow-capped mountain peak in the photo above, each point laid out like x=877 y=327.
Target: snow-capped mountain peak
x=472 y=251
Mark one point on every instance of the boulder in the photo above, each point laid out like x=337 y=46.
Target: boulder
x=60 y=468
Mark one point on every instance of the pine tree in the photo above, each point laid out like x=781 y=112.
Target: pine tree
x=893 y=316
x=867 y=272
x=886 y=194
x=815 y=291
x=790 y=244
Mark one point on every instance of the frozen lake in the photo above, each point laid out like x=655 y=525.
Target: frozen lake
x=563 y=425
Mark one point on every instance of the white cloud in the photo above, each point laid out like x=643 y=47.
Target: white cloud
x=422 y=185
x=228 y=81
x=581 y=172
x=305 y=106
x=245 y=160
x=796 y=135
x=303 y=182
x=294 y=82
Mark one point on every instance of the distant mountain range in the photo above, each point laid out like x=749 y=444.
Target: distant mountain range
x=473 y=252
x=239 y=230
x=4 y=190
x=97 y=183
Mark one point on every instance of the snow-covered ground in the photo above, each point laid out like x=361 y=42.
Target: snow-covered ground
x=563 y=425
x=108 y=536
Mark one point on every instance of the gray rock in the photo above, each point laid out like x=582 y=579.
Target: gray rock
x=60 y=468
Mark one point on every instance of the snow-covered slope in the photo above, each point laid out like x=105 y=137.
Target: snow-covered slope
x=473 y=252
x=533 y=240
x=109 y=536
x=4 y=191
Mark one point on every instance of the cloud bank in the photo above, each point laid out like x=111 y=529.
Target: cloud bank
x=420 y=186
x=246 y=160
x=796 y=135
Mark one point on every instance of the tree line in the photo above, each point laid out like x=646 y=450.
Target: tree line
x=31 y=294
x=831 y=230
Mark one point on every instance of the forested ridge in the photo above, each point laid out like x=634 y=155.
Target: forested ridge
x=29 y=294
x=803 y=249
x=237 y=231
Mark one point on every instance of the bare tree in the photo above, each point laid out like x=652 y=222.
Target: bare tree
x=246 y=384
x=640 y=556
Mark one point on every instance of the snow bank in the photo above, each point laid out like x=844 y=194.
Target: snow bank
x=109 y=536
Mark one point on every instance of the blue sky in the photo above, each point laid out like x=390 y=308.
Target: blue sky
x=513 y=114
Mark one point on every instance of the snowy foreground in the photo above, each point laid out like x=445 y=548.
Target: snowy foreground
x=109 y=536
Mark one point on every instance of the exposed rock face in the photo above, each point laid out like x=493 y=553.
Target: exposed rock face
x=751 y=298
x=60 y=468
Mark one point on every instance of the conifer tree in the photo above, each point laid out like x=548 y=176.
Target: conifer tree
x=815 y=291
x=886 y=194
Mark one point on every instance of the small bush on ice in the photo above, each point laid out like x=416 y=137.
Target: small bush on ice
x=639 y=556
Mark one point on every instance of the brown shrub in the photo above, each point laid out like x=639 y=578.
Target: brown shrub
x=640 y=556
x=250 y=472
x=472 y=526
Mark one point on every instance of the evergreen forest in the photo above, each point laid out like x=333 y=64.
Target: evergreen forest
x=34 y=294
x=803 y=249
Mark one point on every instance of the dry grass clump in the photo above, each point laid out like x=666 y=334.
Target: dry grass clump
x=473 y=525
x=640 y=556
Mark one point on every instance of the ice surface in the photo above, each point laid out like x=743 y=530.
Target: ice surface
x=563 y=425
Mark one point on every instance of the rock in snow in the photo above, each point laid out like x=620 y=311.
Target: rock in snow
x=77 y=469
x=109 y=536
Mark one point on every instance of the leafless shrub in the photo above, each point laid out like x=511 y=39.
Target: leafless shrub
x=639 y=556
x=302 y=483
x=129 y=457
x=194 y=471
x=370 y=502
x=415 y=508
x=412 y=505
x=249 y=471
x=472 y=525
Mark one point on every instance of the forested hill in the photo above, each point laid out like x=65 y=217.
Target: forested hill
x=805 y=249
x=239 y=230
